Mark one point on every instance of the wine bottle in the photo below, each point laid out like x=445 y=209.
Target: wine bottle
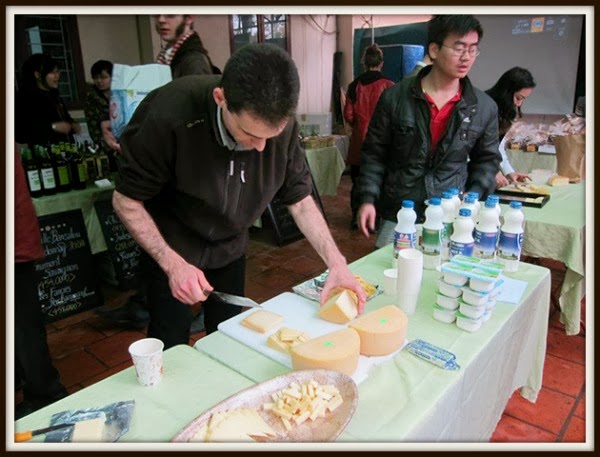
x=46 y=170
x=77 y=167
x=61 y=168
x=32 y=172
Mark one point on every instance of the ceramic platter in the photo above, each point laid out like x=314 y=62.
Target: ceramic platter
x=320 y=430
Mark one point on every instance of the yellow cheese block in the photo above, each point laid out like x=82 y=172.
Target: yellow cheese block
x=284 y=338
x=89 y=431
x=338 y=350
x=340 y=308
x=262 y=320
x=382 y=331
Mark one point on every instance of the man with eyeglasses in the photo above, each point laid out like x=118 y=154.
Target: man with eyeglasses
x=430 y=133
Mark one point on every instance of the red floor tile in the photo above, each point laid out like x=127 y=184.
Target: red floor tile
x=114 y=351
x=562 y=375
x=580 y=410
x=78 y=366
x=73 y=338
x=259 y=292
x=304 y=266
x=566 y=347
x=511 y=430
x=74 y=319
x=549 y=412
x=575 y=431
x=278 y=279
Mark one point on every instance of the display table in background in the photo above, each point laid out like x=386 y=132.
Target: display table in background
x=192 y=382
x=408 y=399
x=326 y=166
x=525 y=162
x=557 y=231
x=78 y=199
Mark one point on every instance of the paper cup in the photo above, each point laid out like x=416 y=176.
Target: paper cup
x=408 y=303
x=389 y=281
x=147 y=360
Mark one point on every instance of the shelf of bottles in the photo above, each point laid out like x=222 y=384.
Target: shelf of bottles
x=63 y=167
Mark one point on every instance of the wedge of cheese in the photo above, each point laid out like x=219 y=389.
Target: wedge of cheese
x=338 y=350
x=340 y=308
x=89 y=431
x=382 y=331
x=236 y=425
x=262 y=320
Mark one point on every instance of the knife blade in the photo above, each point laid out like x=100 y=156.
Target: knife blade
x=27 y=435
x=235 y=299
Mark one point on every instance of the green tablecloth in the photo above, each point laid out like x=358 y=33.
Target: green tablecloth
x=192 y=382
x=524 y=162
x=407 y=399
x=557 y=231
x=326 y=166
x=75 y=199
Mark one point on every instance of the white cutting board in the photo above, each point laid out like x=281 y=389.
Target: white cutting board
x=299 y=314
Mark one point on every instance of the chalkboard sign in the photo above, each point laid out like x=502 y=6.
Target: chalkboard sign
x=66 y=279
x=283 y=223
x=123 y=249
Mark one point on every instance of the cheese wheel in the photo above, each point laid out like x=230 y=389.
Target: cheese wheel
x=382 y=331
x=338 y=350
x=262 y=320
x=340 y=308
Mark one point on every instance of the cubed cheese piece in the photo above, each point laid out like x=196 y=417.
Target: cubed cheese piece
x=275 y=343
x=262 y=320
x=89 y=431
x=338 y=350
x=340 y=308
x=382 y=331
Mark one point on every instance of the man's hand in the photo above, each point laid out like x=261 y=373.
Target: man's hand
x=501 y=180
x=342 y=277
x=518 y=177
x=108 y=136
x=188 y=283
x=366 y=218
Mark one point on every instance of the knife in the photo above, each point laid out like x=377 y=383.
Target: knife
x=234 y=299
x=26 y=436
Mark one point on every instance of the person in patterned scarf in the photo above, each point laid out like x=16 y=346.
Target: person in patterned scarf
x=183 y=50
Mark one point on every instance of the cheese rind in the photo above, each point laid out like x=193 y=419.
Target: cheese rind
x=262 y=320
x=382 y=331
x=338 y=350
x=340 y=308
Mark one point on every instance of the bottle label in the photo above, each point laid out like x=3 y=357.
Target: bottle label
x=34 y=180
x=48 y=178
x=81 y=172
x=485 y=244
x=404 y=241
x=63 y=175
x=432 y=241
x=510 y=245
x=457 y=248
x=448 y=229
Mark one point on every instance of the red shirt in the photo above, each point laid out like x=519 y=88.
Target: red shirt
x=439 y=117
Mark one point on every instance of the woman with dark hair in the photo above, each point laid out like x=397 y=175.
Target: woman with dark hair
x=41 y=115
x=509 y=93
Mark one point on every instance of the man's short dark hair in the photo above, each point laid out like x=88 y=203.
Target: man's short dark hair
x=373 y=56
x=100 y=66
x=262 y=79
x=442 y=25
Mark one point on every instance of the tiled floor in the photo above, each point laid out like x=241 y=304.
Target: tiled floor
x=86 y=349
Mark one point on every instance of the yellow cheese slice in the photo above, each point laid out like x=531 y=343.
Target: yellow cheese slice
x=340 y=308
x=89 y=431
x=382 y=331
x=237 y=425
x=338 y=350
x=262 y=320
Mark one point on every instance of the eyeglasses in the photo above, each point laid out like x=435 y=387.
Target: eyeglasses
x=460 y=50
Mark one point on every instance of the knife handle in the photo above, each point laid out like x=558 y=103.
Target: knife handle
x=23 y=436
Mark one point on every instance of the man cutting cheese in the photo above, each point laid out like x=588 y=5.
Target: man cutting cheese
x=203 y=157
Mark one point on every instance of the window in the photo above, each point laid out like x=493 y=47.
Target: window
x=58 y=37
x=259 y=28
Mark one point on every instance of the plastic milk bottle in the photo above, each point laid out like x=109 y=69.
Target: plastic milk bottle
x=433 y=230
x=461 y=240
x=447 y=220
x=405 y=233
x=469 y=203
x=456 y=199
x=477 y=205
x=486 y=231
x=511 y=237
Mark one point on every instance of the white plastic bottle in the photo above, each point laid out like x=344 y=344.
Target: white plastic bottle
x=405 y=233
x=511 y=237
x=486 y=231
x=447 y=220
x=456 y=199
x=469 y=203
x=496 y=200
x=461 y=240
x=477 y=205
x=433 y=230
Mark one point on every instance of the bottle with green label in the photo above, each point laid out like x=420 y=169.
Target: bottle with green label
x=61 y=168
x=77 y=168
x=46 y=170
x=89 y=159
x=32 y=172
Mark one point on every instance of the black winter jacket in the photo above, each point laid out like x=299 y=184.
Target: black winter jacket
x=396 y=161
x=202 y=196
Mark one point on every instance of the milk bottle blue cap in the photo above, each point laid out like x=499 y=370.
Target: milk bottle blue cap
x=476 y=194
x=454 y=191
x=470 y=198
x=408 y=204
x=466 y=212
x=435 y=201
x=446 y=195
x=516 y=205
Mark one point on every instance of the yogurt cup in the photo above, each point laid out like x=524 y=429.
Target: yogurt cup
x=449 y=290
x=443 y=315
x=473 y=297
x=474 y=312
x=468 y=324
x=480 y=285
x=455 y=279
x=491 y=304
x=445 y=302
